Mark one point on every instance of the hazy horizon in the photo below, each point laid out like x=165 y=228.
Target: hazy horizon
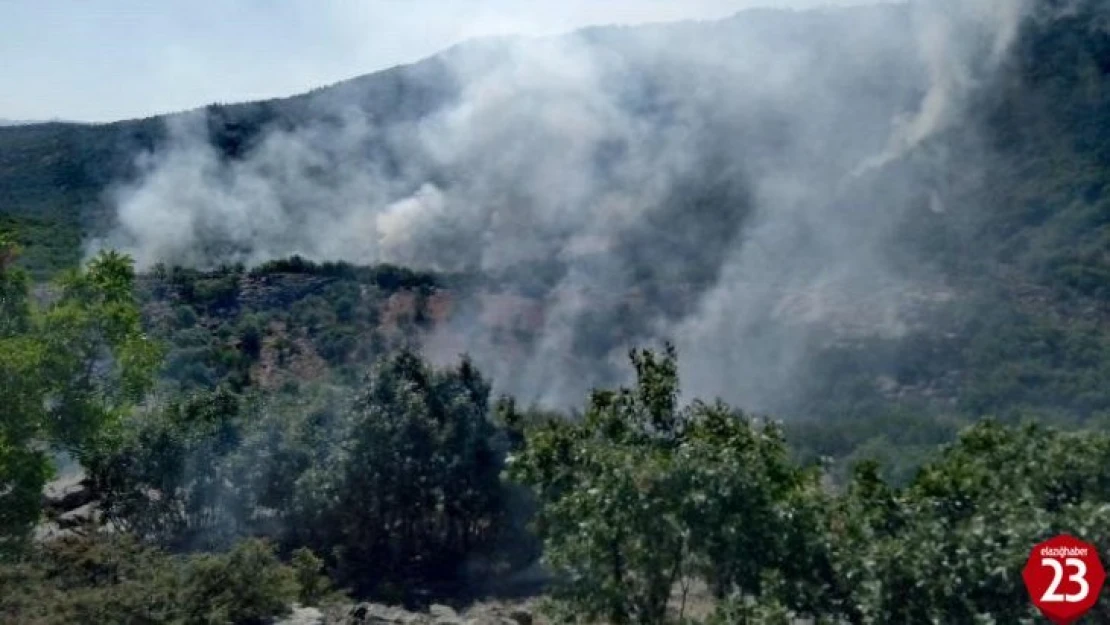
x=123 y=59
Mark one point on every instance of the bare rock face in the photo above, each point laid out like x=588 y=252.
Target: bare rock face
x=303 y=616
x=444 y=615
x=69 y=506
x=481 y=614
x=67 y=493
x=377 y=614
x=87 y=514
x=498 y=614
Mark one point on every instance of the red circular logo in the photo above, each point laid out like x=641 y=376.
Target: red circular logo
x=1064 y=577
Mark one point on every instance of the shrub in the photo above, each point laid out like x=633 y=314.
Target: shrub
x=313 y=585
x=642 y=494
x=114 y=579
x=247 y=586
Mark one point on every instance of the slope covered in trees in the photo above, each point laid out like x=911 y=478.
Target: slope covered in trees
x=410 y=483
x=1005 y=310
x=1023 y=243
x=322 y=406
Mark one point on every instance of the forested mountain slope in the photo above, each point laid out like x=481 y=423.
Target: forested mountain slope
x=697 y=181
x=880 y=226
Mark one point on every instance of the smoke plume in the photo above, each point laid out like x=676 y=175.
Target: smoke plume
x=711 y=183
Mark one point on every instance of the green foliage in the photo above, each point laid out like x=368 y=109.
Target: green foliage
x=105 y=580
x=1029 y=231
x=950 y=547
x=113 y=579
x=739 y=610
x=69 y=372
x=49 y=244
x=96 y=354
x=251 y=333
x=901 y=440
x=171 y=477
x=399 y=489
x=247 y=585
x=413 y=487
x=386 y=277
x=232 y=326
x=313 y=584
x=400 y=486
x=642 y=494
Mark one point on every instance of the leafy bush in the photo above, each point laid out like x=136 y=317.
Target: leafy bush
x=69 y=370
x=950 y=547
x=247 y=586
x=642 y=494
x=314 y=586
x=401 y=486
x=114 y=579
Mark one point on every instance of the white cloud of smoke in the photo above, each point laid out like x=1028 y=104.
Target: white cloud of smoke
x=720 y=159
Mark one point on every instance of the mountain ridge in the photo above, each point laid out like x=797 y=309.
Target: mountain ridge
x=446 y=174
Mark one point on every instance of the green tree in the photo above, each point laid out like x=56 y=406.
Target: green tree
x=411 y=488
x=69 y=371
x=112 y=578
x=172 y=475
x=642 y=494
x=951 y=546
x=313 y=584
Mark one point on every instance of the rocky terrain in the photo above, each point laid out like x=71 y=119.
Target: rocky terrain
x=489 y=613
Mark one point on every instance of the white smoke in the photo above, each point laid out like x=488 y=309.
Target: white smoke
x=948 y=33
x=598 y=153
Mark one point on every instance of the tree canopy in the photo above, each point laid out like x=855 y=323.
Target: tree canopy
x=70 y=370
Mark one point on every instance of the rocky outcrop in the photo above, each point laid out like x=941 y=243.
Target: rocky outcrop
x=66 y=493
x=69 y=507
x=444 y=615
x=88 y=514
x=304 y=616
x=479 y=614
x=377 y=614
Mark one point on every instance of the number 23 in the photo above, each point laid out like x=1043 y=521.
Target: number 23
x=1080 y=577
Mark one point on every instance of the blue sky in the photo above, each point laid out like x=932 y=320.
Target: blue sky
x=102 y=60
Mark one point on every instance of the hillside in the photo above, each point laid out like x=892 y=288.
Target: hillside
x=56 y=175
x=796 y=316
x=965 y=275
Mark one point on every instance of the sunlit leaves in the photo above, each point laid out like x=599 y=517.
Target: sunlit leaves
x=641 y=494
x=950 y=547
x=68 y=370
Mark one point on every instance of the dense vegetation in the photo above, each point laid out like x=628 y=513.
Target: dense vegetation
x=643 y=496
x=285 y=317
x=398 y=484
x=1025 y=247
x=259 y=436
x=398 y=488
x=405 y=486
x=117 y=580
x=70 y=370
x=1022 y=244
